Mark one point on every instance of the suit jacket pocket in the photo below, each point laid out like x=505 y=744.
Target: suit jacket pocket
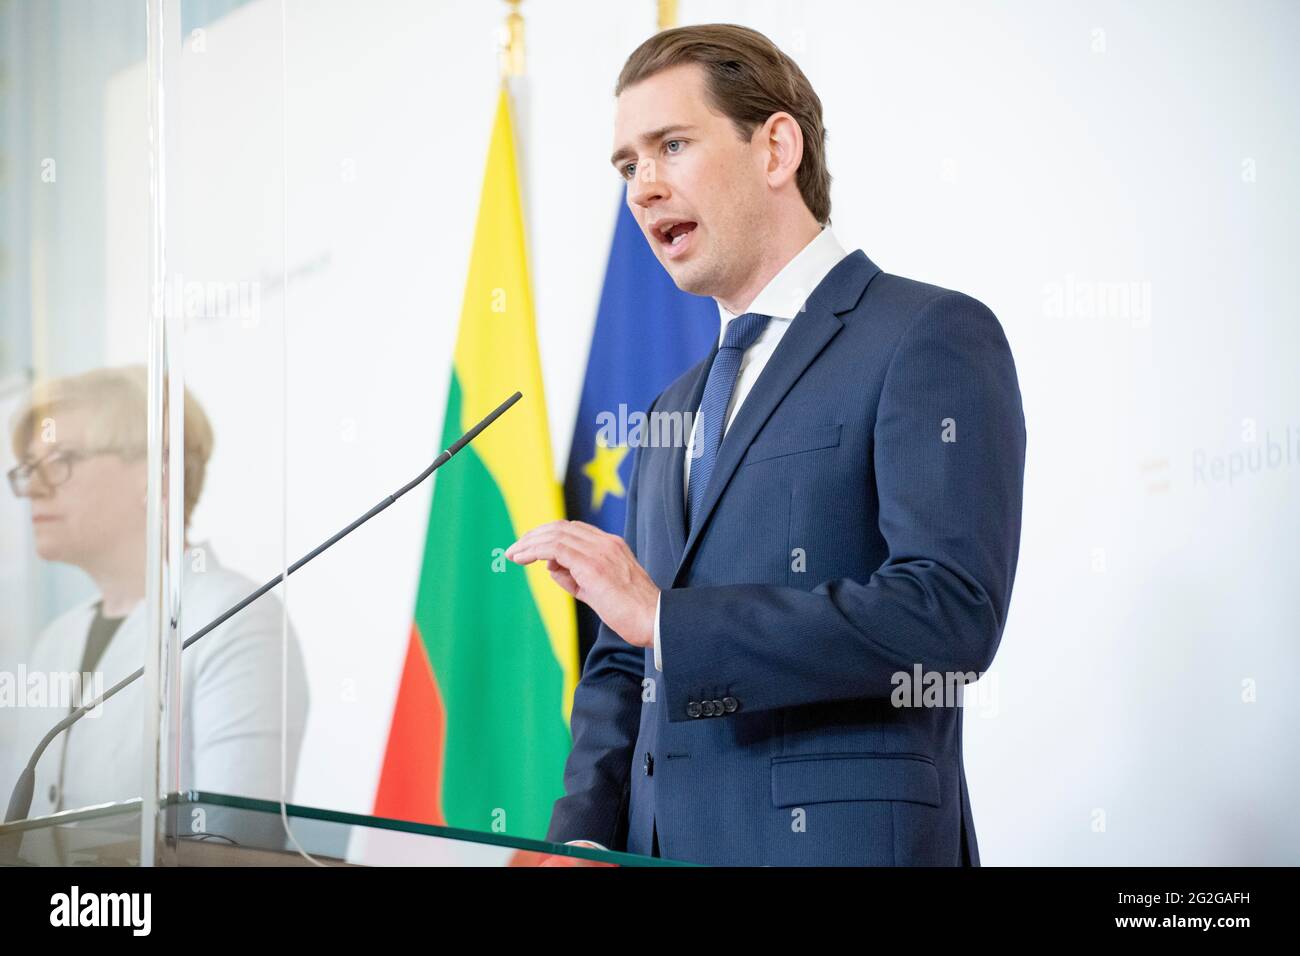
x=792 y=443
x=824 y=778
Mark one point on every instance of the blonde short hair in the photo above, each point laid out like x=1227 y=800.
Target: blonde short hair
x=116 y=403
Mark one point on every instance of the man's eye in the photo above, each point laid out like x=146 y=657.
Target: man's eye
x=671 y=141
x=627 y=174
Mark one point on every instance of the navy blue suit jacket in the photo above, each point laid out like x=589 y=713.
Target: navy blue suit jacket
x=863 y=518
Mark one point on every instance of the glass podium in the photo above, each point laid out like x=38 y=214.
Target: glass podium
x=213 y=829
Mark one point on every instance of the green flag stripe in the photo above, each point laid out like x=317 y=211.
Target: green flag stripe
x=506 y=738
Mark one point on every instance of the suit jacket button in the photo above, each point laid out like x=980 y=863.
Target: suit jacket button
x=693 y=709
x=706 y=708
x=718 y=709
x=730 y=704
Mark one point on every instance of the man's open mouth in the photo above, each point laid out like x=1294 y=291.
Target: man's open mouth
x=674 y=235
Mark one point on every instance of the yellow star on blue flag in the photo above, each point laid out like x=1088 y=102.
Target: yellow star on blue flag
x=603 y=472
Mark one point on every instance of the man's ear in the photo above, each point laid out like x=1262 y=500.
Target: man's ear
x=783 y=140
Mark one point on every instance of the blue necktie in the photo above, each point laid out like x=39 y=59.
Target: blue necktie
x=741 y=333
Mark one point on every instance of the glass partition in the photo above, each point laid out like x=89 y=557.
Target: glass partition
x=75 y=399
x=342 y=326
x=251 y=291
x=224 y=290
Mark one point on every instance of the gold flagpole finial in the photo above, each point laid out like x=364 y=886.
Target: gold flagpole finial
x=512 y=42
x=667 y=14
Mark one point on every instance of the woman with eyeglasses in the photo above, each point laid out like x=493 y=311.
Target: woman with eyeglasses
x=80 y=445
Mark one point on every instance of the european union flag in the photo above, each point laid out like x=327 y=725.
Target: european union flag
x=647 y=333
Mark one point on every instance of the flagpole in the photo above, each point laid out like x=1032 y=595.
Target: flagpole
x=667 y=14
x=511 y=54
x=511 y=61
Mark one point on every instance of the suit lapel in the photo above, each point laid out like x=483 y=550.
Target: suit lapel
x=808 y=334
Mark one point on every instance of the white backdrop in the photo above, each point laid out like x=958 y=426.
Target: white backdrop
x=1116 y=181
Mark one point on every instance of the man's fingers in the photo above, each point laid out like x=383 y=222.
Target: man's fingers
x=534 y=546
x=572 y=557
x=534 y=551
x=528 y=537
x=545 y=540
x=582 y=531
x=564 y=579
x=577 y=533
x=558 y=549
x=530 y=542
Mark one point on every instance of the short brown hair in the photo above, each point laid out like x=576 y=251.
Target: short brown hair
x=748 y=79
x=116 y=401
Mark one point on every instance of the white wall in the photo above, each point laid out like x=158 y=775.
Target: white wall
x=1036 y=157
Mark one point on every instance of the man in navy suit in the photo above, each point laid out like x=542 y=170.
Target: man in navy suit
x=836 y=515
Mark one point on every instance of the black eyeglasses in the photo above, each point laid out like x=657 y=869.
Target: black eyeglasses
x=54 y=469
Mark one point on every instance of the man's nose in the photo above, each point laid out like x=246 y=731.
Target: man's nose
x=646 y=187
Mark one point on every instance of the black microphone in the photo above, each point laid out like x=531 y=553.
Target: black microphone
x=20 y=801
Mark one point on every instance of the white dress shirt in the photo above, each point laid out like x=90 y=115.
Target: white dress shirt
x=783 y=299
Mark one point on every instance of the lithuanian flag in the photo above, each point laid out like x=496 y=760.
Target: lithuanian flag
x=480 y=729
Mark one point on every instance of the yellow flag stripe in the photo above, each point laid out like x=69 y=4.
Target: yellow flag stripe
x=496 y=353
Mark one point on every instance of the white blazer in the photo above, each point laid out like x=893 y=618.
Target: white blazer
x=230 y=700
